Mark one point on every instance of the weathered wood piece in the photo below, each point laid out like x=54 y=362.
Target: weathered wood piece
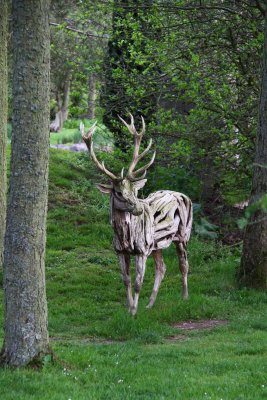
x=144 y=227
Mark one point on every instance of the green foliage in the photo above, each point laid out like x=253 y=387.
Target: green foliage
x=173 y=178
x=75 y=137
x=205 y=229
x=78 y=102
x=199 y=97
x=206 y=92
x=74 y=55
x=75 y=123
x=251 y=210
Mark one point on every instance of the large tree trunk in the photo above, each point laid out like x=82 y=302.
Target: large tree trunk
x=25 y=325
x=3 y=121
x=253 y=269
x=63 y=96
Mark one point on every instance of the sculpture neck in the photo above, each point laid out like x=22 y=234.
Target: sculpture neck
x=128 y=230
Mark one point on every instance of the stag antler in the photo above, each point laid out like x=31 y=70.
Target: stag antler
x=132 y=175
x=87 y=138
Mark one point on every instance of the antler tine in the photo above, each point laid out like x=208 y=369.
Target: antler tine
x=145 y=167
x=110 y=174
x=133 y=179
x=131 y=128
x=89 y=133
x=87 y=138
x=136 y=156
x=143 y=126
x=82 y=128
x=146 y=150
x=131 y=172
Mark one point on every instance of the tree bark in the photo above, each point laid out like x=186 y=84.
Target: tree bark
x=91 y=96
x=66 y=98
x=253 y=268
x=3 y=121
x=63 y=96
x=25 y=306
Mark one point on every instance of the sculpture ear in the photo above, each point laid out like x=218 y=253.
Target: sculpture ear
x=139 y=184
x=104 y=188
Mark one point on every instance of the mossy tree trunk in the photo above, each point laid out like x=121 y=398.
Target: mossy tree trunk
x=253 y=268
x=3 y=121
x=25 y=306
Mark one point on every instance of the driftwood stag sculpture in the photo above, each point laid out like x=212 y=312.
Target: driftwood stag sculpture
x=143 y=227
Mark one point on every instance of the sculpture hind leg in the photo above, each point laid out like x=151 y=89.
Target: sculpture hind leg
x=183 y=263
x=125 y=261
x=140 y=267
x=160 y=269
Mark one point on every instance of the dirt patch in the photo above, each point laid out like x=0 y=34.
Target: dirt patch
x=197 y=325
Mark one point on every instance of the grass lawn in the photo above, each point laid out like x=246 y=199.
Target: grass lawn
x=101 y=352
x=71 y=134
x=66 y=136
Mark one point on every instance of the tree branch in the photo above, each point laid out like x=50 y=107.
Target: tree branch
x=69 y=28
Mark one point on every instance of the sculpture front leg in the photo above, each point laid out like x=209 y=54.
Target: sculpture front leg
x=140 y=266
x=125 y=261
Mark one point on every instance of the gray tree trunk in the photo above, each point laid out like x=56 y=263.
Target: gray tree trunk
x=25 y=307
x=66 y=98
x=3 y=121
x=92 y=94
x=62 y=106
x=253 y=268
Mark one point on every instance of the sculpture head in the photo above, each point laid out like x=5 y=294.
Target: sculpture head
x=123 y=190
x=124 y=195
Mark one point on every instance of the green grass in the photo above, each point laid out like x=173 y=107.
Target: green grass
x=104 y=353
x=71 y=134
x=66 y=136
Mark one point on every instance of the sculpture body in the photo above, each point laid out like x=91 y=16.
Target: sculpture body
x=144 y=227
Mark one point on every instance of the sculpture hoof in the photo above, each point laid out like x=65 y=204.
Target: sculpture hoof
x=130 y=308
x=133 y=311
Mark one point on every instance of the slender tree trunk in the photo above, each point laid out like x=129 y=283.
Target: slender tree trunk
x=91 y=96
x=63 y=96
x=25 y=307
x=3 y=121
x=253 y=268
x=66 y=98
